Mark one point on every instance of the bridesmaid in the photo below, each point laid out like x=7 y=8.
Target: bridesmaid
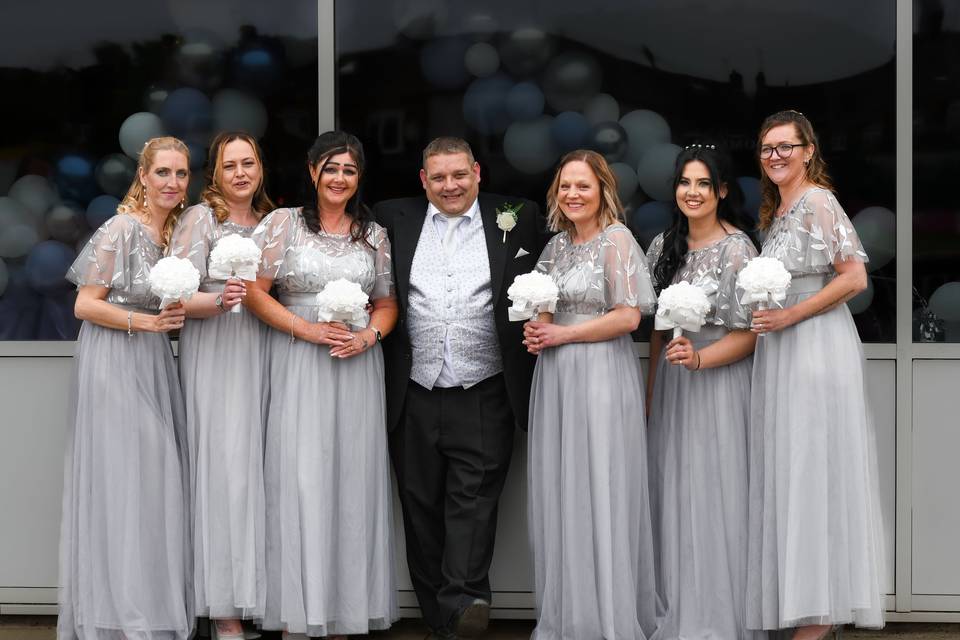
x=329 y=539
x=699 y=401
x=589 y=506
x=221 y=372
x=816 y=542
x=124 y=551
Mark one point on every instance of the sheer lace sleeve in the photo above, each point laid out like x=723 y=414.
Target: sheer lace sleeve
x=831 y=234
x=274 y=235
x=382 y=264
x=625 y=273
x=193 y=237
x=653 y=254
x=736 y=252
x=548 y=256
x=107 y=259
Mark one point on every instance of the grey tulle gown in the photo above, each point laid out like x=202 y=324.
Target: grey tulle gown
x=222 y=376
x=698 y=462
x=124 y=552
x=587 y=473
x=330 y=563
x=816 y=542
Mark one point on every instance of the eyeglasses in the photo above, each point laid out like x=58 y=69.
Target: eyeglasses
x=784 y=150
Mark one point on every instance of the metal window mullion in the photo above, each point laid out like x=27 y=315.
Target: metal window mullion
x=326 y=67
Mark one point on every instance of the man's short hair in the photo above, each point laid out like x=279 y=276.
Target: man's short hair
x=447 y=145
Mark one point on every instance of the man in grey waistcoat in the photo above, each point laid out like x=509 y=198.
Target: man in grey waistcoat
x=457 y=376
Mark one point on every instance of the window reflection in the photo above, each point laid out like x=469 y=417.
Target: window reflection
x=525 y=82
x=936 y=162
x=104 y=77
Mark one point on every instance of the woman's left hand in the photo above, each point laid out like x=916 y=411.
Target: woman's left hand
x=541 y=335
x=680 y=351
x=769 y=320
x=362 y=340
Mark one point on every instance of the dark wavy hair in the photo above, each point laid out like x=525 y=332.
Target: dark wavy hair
x=326 y=146
x=729 y=210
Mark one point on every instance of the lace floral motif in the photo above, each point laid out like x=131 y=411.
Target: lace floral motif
x=813 y=234
x=300 y=261
x=714 y=269
x=596 y=276
x=119 y=256
x=195 y=235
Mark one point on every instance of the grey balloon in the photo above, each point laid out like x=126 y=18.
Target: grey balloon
x=655 y=171
x=136 y=130
x=644 y=128
x=114 y=173
x=525 y=51
x=571 y=80
x=237 y=111
x=4 y=276
x=35 y=193
x=608 y=139
x=65 y=223
x=482 y=59
x=602 y=108
x=529 y=147
x=627 y=181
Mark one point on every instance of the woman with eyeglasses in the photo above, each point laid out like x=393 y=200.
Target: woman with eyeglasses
x=815 y=535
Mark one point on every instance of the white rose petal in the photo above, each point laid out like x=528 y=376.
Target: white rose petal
x=174 y=280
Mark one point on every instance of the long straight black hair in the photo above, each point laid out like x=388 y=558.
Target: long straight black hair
x=327 y=145
x=729 y=210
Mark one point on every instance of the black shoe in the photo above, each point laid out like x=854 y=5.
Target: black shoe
x=473 y=620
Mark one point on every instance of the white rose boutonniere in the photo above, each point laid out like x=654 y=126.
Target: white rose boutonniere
x=507 y=217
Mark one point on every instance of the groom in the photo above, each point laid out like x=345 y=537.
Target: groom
x=457 y=376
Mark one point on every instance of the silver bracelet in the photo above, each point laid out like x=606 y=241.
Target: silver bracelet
x=130 y=322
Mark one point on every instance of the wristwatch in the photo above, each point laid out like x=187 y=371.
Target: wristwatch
x=376 y=332
x=219 y=302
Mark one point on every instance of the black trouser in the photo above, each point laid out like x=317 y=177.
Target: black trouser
x=451 y=451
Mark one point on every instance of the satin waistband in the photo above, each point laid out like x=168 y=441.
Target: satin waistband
x=810 y=283
x=307 y=299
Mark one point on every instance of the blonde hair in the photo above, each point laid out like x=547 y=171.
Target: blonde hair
x=213 y=192
x=611 y=210
x=815 y=170
x=133 y=202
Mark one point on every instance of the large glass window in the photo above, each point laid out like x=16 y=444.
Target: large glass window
x=936 y=164
x=526 y=81
x=86 y=83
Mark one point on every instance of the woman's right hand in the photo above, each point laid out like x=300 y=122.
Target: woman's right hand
x=169 y=319
x=332 y=333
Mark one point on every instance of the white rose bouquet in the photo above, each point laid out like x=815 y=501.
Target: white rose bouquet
x=534 y=295
x=234 y=256
x=343 y=301
x=173 y=280
x=764 y=281
x=681 y=306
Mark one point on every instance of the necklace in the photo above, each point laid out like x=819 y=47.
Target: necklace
x=343 y=224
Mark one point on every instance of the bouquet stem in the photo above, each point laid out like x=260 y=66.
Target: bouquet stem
x=677 y=332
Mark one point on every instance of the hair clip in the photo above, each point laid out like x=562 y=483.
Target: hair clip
x=701 y=146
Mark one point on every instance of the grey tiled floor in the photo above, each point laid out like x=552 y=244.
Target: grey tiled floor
x=42 y=628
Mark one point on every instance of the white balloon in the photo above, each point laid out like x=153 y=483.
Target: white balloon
x=136 y=130
x=237 y=111
x=862 y=301
x=644 y=128
x=16 y=240
x=65 y=223
x=655 y=171
x=4 y=276
x=13 y=212
x=877 y=228
x=35 y=193
x=602 y=108
x=482 y=59
x=627 y=181
x=529 y=147
x=945 y=302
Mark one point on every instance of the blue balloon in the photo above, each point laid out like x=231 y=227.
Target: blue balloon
x=101 y=209
x=75 y=178
x=649 y=219
x=187 y=111
x=485 y=104
x=256 y=59
x=751 y=195
x=570 y=130
x=442 y=63
x=198 y=154
x=259 y=69
x=525 y=101
x=47 y=265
